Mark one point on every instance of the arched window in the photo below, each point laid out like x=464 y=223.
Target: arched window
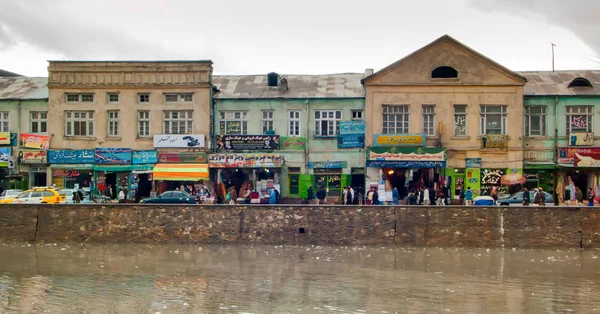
x=580 y=82
x=444 y=72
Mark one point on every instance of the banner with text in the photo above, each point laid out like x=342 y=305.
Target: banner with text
x=38 y=141
x=59 y=156
x=351 y=141
x=182 y=157
x=139 y=157
x=179 y=141
x=33 y=157
x=247 y=142
x=352 y=127
x=245 y=160
x=293 y=143
x=383 y=140
x=115 y=156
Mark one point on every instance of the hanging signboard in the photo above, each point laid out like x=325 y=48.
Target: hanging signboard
x=245 y=161
x=495 y=141
x=85 y=156
x=182 y=157
x=179 y=141
x=144 y=157
x=247 y=142
x=33 y=157
x=352 y=127
x=405 y=157
x=4 y=138
x=351 y=141
x=115 y=156
x=293 y=143
x=327 y=164
x=579 y=157
x=5 y=156
x=473 y=162
x=581 y=139
x=386 y=140
x=38 y=141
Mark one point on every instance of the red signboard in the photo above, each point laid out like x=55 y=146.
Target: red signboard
x=579 y=157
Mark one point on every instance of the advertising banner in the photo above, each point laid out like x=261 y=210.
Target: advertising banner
x=495 y=141
x=71 y=156
x=386 y=140
x=5 y=156
x=114 y=156
x=293 y=143
x=144 y=157
x=182 y=157
x=38 y=141
x=579 y=157
x=4 y=138
x=179 y=141
x=352 y=127
x=247 y=142
x=405 y=157
x=581 y=139
x=473 y=162
x=245 y=161
x=328 y=164
x=33 y=157
x=351 y=141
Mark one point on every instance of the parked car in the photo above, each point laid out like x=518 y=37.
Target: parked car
x=69 y=194
x=517 y=199
x=172 y=197
x=8 y=195
x=41 y=195
x=483 y=201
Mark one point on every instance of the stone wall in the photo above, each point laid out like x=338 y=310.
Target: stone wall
x=451 y=226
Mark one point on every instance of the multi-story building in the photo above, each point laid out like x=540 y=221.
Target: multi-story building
x=23 y=132
x=444 y=114
x=113 y=121
x=562 y=138
x=289 y=131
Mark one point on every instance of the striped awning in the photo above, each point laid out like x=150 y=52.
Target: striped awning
x=180 y=172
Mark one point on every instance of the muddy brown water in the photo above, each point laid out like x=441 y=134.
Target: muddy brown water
x=295 y=279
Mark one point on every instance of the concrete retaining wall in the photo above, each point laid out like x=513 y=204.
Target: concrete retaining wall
x=452 y=226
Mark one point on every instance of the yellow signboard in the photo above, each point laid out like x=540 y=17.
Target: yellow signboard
x=382 y=140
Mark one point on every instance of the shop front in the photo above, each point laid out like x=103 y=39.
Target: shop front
x=180 y=168
x=236 y=173
x=328 y=175
x=578 y=168
x=141 y=173
x=72 y=167
x=405 y=168
x=112 y=170
x=35 y=164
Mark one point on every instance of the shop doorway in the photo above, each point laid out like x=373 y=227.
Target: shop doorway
x=405 y=179
x=144 y=185
x=111 y=179
x=580 y=180
x=39 y=179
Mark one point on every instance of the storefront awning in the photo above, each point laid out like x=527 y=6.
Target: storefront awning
x=180 y=172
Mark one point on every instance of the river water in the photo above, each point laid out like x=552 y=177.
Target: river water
x=295 y=279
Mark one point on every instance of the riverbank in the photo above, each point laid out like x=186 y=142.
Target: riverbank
x=450 y=226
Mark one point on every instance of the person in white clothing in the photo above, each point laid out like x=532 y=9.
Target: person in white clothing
x=121 y=196
x=426 y=197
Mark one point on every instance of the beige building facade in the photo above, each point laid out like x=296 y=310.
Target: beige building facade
x=445 y=114
x=127 y=105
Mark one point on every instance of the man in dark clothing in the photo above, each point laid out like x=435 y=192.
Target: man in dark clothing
x=526 y=197
x=375 y=197
x=412 y=198
x=432 y=197
x=321 y=195
x=311 y=195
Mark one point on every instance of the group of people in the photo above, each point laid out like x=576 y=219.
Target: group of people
x=576 y=197
x=421 y=196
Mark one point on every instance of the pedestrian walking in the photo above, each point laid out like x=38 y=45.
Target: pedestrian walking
x=311 y=195
x=396 y=196
x=590 y=197
x=469 y=196
x=526 y=197
x=321 y=195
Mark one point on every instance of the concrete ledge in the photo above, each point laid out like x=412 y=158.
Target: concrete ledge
x=448 y=226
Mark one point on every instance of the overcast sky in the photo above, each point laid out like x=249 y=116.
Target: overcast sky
x=295 y=37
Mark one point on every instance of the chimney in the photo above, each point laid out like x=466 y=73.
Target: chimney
x=368 y=72
x=283 y=85
x=273 y=79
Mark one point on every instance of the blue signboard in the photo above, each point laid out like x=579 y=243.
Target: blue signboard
x=405 y=164
x=114 y=156
x=144 y=157
x=71 y=156
x=352 y=127
x=351 y=141
x=473 y=162
x=327 y=164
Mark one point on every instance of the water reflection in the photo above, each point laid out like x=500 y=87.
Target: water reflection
x=307 y=279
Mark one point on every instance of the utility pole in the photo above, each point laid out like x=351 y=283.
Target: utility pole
x=553 y=45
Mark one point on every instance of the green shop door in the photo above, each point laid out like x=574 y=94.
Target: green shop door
x=305 y=181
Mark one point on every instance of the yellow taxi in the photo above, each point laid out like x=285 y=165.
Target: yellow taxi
x=39 y=195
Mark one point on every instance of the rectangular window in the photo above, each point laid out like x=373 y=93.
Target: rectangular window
x=233 y=122
x=38 y=121
x=460 y=120
x=294 y=123
x=144 y=98
x=143 y=123
x=579 y=119
x=113 y=123
x=113 y=98
x=267 y=121
x=429 y=120
x=294 y=180
x=395 y=119
x=493 y=119
x=80 y=98
x=178 y=98
x=178 y=122
x=4 y=121
x=327 y=122
x=357 y=114
x=535 y=121
x=79 y=123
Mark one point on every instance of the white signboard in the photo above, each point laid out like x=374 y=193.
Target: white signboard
x=179 y=140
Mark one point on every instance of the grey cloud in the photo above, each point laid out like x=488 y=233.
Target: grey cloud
x=44 y=25
x=579 y=16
